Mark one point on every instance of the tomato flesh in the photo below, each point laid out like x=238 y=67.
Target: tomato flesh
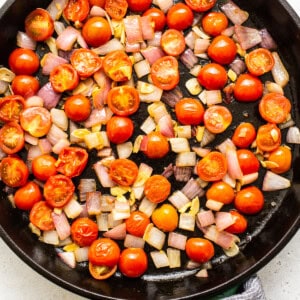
x=11 y=138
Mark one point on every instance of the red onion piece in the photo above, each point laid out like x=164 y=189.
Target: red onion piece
x=192 y=189
x=183 y=174
x=50 y=61
x=62 y=225
x=67 y=38
x=25 y=41
x=98 y=116
x=205 y=218
x=56 y=7
x=93 y=202
x=267 y=40
x=177 y=240
x=97 y=11
x=147 y=28
x=172 y=97
x=275 y=182
x=50 y=97
x=247 y=37
x=188 y=58
x=68 y=258
x=152 y=53
x=116 y=233
x=234 y=13
x=103 y=175
x=238 y=66
x=223 y=220
x=133 y=29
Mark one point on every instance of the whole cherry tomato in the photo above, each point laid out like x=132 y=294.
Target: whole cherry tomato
x=172 y=42
x=199 y=249
x=157 y=188
x=41 y=216
x=220 y=191
x=165 y=217
x=214 y=22
x=119 y=129
x=137 y=223
x=11 y=107
x=158 y=17
x=116 y=9
x=77 y=107
x=139 y=5
x=240 y=224
x=244 y=135
x=268 y=137
x=76 y=10
x=27 y=195
x=25 y=85
x=189 y=111
x=248 y=161
x=200 y=5
x=43 y=167
x=11 y=138
x=281 y=158
x=180 y=17
x=156 y=145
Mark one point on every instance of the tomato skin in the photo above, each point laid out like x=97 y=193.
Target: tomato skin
x=25 y=85
x=104 y=252
x=189 y=111
x=172 y=42
x=43 y=167
x=116 y=9
x=249 y=200
x=99 y=3
x=11 y=138
x=40 y=216
x=76 y=10
x=157 y=145
x=158 y=17
x=10 y=108
x=133 y=262
x=213 y=23
x=165 y=217
x=23 y=61
x=282 y=156
x=84 y=231
x=248 y=161
x=199 y=249
x=200 y=5
x=240 y=224
x=268 y=137
x=27 y=195
x=138 y=5
x=137 y=223
x=119 y=129
x=244 y=135
x=248 y=88
x=77 y=108
x=96 y=31
x=220 y=191
x=157 y=188
x=180 y=17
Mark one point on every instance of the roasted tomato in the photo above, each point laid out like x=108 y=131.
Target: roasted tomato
x=180 y=17
x=25 y=85
x=248 y=161
x=155 y=145
x=172 y=42
x=119 y=129
x=281 y=159
x=11 y=107
x=158 y=17
x=157 y=188
x=199 y=250
x=189 y=111
x=76 y=10
x=139 y=5
x=165 y=217
x=11 y=138
x=137 y=223
x=102 y=272
x=268 y=137
x=43 y=167
x=99 y=3
x=78 y=108
x=244 y=135
x=240 y=224
x=116 y=9
x=41 y=216
x=200 y=5
x=213 y=23
x=220 y=191
x=27 y=195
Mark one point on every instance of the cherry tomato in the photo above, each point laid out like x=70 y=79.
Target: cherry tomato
x=11 y=107
x=199 y=249
x=77 y=108
x=240 y=224
x=212 y=167
x=139 y=5
x=11 y=138
x=27 y=195
x=96 y=31
x=217 y=118
x=123 y=171
x=84 y=231
x=189 y=111
x=156 y=145
x=39 y=25
x=71 y=161
x=64 y=78
x=137 y=223
x=200 y=5
x=247 y=88
x=180 y=17
x=99 y=3
x=76 y=10
x=172 y=42
x=23 y=61
x=41 y=216
x=274 y=108
x=259 y=61
x=220 y=191
x=244 y=135
x=123 y=100
x=13 y=171
x=43 y=166
x=133 y=262
x=119 y=129
x=268 y=137
x=58 y=190
x=212 y=76
x=158 y=17
x=248 y=161
x=25 y=85
x=117 y=65
x=157 y=188
x=222 y=50
x=249 y=200
x=116 y=9
x=104 y=252
x=213 y=23
x=165 y=217
x=36 y=120
x=165 y=73
x=282 y=158
x=102 y=272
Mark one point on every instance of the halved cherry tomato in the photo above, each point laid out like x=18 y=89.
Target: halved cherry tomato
x=165 y=217
x=220 y=191
x=274 y=108
x=157 y=188
x=41 y=216
x=96 y=31
x=217 y=118
x=102 y=272
x=27 y=195
x=249 y=200
x=259 y=61
x=36 y=120
x=137 y=222
x=222 y=50
x=212 y=167
x=180 y=17
x=119 y=129
x=58 y=190
x=13 y=171
x=25 y=85
x=212 y=76
x=247 y=88
x=200 y=5
x=240 y=224
x=199 y=249
x=11 y=107
x=214 y=23
x=123 y=171
x=117 y=65
x=71 y=161
x=23 y=61
x=189 y=111
x=77 y=108
x=244 y=135
x=281 y=158
x=133 y=262
x=156 y=145
x=165 y=72
x=64 y=78
x=123 y=100
x=172 y=42
x=104 y=252
x=39 y=25
x=43 y=166
x=116 y=9
x=76 y=10
x=248 y=161
x=268 y=137
x=84 y=231
x=158 y=17
x=11 y=138
x=139 y=5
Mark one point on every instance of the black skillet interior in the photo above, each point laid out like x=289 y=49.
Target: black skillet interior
x=268 y=235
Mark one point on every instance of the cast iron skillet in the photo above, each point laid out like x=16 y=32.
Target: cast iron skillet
x=267 y=235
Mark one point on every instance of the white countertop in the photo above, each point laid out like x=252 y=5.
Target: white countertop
x=280 y=278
